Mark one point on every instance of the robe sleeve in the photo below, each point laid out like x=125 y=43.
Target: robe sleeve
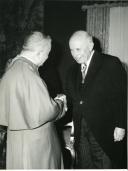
x=25 y=100
x=3 y=104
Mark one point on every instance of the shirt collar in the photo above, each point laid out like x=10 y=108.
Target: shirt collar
x=89 y=60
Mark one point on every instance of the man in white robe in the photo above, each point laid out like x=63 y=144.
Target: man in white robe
x=28 y=111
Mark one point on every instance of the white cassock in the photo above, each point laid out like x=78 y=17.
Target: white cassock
x=29 y=114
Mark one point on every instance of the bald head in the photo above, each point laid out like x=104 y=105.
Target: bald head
x=81 y=46
x=81 y=36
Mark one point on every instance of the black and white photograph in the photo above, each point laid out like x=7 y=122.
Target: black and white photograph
x=63 y=84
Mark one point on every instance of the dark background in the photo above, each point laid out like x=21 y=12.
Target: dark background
x=61 y=19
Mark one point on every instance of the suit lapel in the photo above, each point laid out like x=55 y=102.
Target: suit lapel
x=78 y=82
x=94 y=67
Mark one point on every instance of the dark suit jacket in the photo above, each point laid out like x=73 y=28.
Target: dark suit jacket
x=101 y=101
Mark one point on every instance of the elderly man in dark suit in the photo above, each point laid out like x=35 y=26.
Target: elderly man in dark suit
x=96 y=87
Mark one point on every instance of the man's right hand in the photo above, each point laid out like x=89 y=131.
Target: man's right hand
x=62 y=97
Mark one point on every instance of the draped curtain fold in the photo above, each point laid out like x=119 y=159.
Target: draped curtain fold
x=118 y=33
x=109 y=24
x=98 y=25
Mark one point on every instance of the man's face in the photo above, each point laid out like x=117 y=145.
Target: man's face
x=80 y=50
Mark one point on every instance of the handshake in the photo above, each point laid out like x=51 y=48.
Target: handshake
x=62 y=98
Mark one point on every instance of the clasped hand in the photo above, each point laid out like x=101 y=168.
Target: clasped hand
x=119 y=134
x=62 y=97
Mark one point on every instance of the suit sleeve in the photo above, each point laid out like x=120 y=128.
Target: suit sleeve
x=120 y=89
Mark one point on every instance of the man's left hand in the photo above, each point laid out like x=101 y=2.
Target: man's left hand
x=119 y=134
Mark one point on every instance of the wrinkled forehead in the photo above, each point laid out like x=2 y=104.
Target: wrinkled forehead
x=77 y=42
x=79 y=38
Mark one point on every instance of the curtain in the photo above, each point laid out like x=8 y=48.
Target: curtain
x=118 y=33
x=98 y=25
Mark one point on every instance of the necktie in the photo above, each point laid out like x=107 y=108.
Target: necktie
x=83 y=71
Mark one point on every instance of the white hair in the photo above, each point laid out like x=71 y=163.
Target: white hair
x=36 y=40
